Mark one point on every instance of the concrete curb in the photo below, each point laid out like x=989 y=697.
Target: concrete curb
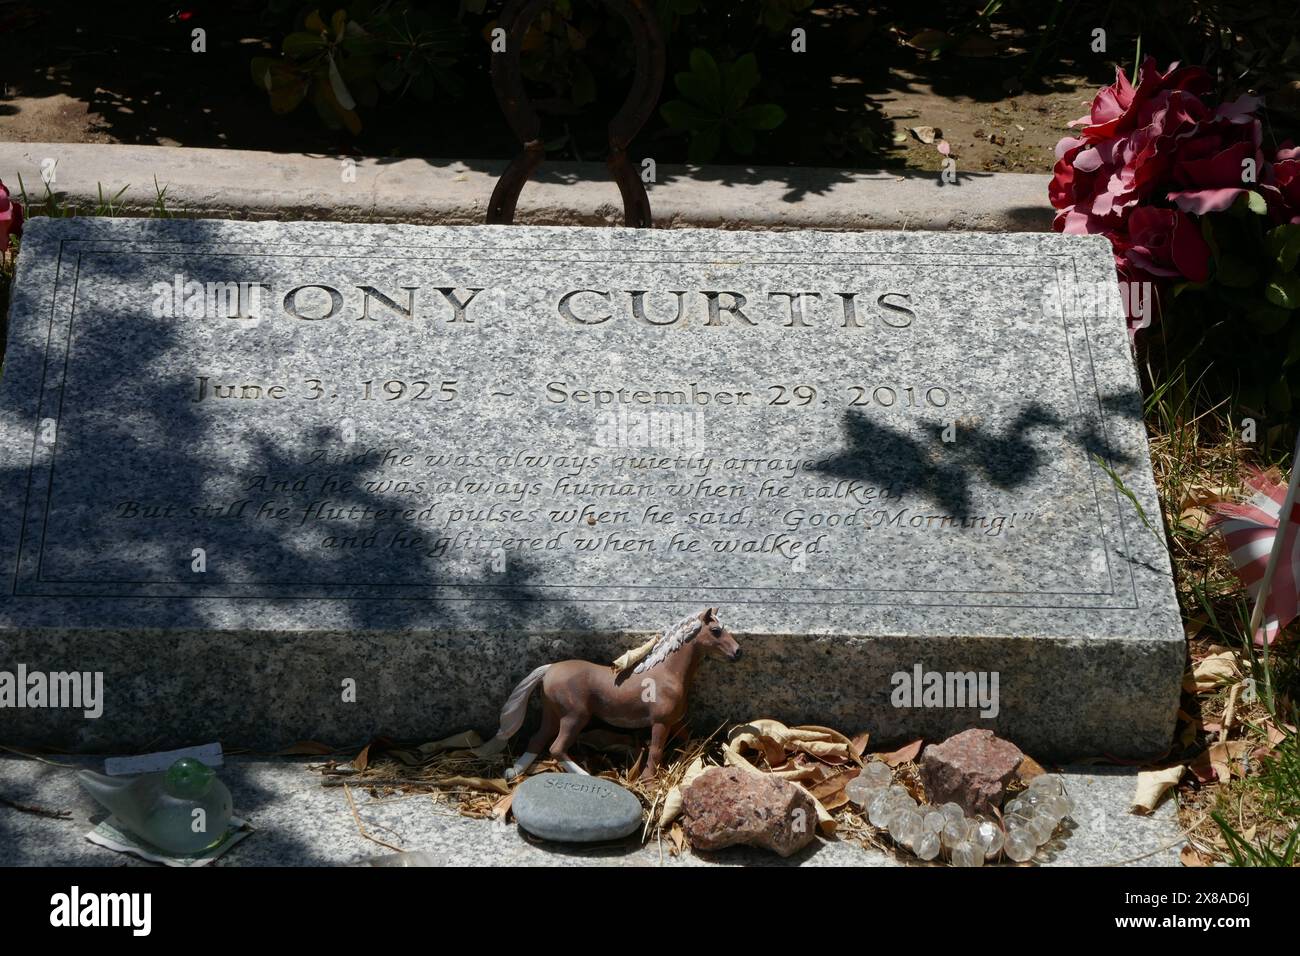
x=246 y=184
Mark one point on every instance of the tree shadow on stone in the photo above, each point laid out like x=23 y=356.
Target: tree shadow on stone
x=944 y=470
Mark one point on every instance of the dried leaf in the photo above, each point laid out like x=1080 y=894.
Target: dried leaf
x=924 y=134
x=1028 y=769
x=832 y=785
x=929 y=40
x=1190 y=856
x=635 y=771
x=502 y=807
x=772 y=751
x=362 y=760
x=496 y=785
x=1202 y=769
x=903 y=754
x=1152 y=785
x=672 y=805
x=858 y=745
x=634 y=656
x=1197 y=519
x=462 y=741
x=1209 y=673
x=678 y=836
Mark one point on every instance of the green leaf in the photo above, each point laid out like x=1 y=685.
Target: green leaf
x=1256 y=204
x=1284 y=245
x=285 y=86
x=1268 y=318
x=1283 y=289
x=710 y=78
x=302 y=46
x=742 y=77
x=762 y=116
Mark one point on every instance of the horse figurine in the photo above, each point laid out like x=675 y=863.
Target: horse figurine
x=573 y=692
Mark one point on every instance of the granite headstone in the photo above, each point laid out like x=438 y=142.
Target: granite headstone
x=285 y=480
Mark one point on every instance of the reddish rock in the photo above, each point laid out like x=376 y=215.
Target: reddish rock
x=726 y=806
x=971 y=769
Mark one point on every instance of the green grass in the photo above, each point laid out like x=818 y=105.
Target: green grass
x=1275 y=793
x=54 y=205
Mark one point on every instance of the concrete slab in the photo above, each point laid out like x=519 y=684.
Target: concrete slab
x=300 y=823
x=248 y=184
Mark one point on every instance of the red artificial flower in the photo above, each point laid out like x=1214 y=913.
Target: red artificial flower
x=1166 y=243
x=1146 y=147
x=11 y=217
x=1285 y=169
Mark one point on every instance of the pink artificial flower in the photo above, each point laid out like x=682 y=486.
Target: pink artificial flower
x=1147 y=146
x=11 y=218
x=1116 y=109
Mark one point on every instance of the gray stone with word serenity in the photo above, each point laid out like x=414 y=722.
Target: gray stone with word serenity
x=280 y=481
x=575 y=809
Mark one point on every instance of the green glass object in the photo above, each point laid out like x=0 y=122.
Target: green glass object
x=189 y=779
x=184 y=810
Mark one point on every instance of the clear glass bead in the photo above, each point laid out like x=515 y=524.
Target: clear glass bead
x=952 y=811
x=1018 y=820
x=934 y=821
x=1047 y=784
x=1041 y=829
x=955 y=833
x=857 y=793
x=986 y=834
x=880 y=809
x=1054 y=807
x=905 y=828
x=1020 y=846
x=876 y=774
x=967 y=854
x=927 y=846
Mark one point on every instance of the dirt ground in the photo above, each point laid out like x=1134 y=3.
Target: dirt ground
x=77 y=73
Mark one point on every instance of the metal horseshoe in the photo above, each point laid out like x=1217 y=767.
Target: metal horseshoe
x=507 y=80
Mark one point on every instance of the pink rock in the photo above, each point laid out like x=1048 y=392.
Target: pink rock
x=971 y=769
x=726 y=806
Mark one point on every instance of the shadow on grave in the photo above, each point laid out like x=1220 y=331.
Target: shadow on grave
x=944 y=471
x=161 y=445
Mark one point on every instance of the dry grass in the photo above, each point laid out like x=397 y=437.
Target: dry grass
x=1200 y=457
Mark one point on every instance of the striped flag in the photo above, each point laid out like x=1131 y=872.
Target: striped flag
x=1267 y=562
